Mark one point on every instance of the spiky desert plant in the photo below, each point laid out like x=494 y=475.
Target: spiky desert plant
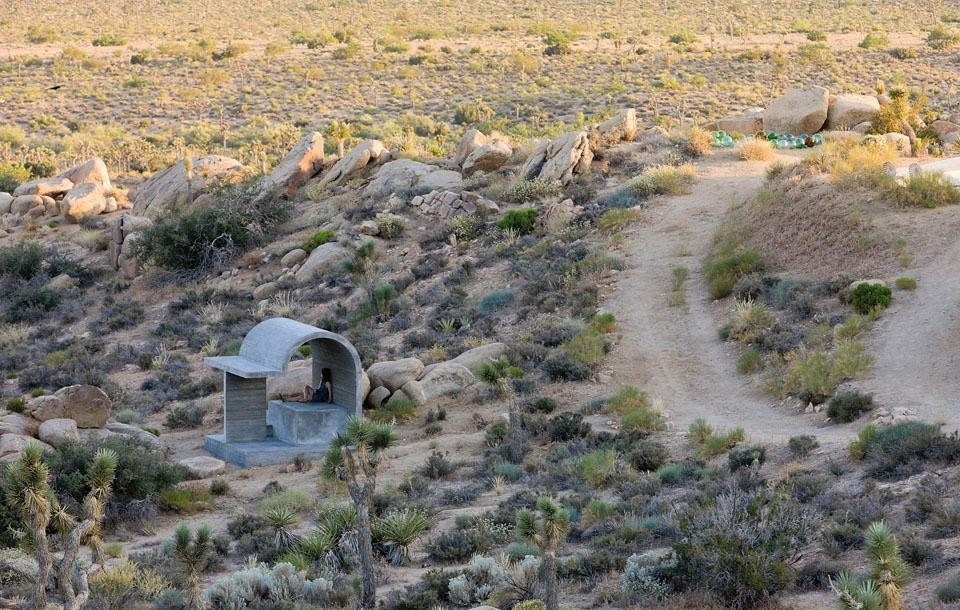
x=398 y=529
x=28 y=489
x=283 y=519
x=548 y=530
x=339 y=132
x=854 y=594
x=887 y=567
x=192 y=551
x=354 y=457
x=499 y=373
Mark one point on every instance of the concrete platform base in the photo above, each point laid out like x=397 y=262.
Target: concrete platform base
x=262 y=453
x=305 y=423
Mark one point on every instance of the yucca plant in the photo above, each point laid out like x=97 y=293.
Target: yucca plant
x=397 y=530
x=499 y=374
x=854 y=594
x=192 y=552
x=548 y=530
x=28 y=490
x=354 y=457
x=283 y=519
x=887 y=567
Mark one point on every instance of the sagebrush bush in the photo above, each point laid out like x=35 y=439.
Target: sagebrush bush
x=870 y=296
x=903 y=449
x=524 y=191
x=847 y=406
x=926 y=190
x=596 y=467
x=749 y=321
x=648 y=455
x=741 y=548
x=801 y=446
x=745 y=457
x=185 y=417
x=753 y=149
x=726 y=264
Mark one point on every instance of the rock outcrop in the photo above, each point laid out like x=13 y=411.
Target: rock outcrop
x=848 y=111
x=619 y=128
x=559 y=159
x=87 y=405
x=299 y=165
x=407 y=175
x=325 y=256
x=392 y=374
x=51 y=187
x=83 y=200
x=169 y=188
x=93 y=171
x=447 y=204
x=367 y=153
x=798 y=111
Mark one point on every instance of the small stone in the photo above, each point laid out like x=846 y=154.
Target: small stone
x=265 y=291
x=203 y=466
x=291 y=258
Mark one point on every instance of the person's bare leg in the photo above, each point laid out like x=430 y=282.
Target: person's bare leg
x=307 y=394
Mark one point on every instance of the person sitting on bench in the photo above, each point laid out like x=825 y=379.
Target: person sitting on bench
x=323 y=393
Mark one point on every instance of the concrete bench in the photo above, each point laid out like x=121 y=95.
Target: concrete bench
x=303 y=423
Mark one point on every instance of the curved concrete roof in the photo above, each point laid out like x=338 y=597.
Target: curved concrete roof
x=268 y=347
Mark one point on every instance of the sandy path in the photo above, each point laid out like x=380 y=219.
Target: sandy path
x=677 y=355
x=917 y=345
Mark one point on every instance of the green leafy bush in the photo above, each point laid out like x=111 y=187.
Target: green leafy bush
x=318 y=239
x=185 y=417
x=925 y=190
x=12 y=175
x=522 y=221
x=726 y=264
x=205 y=238
x=906 y=283
x=868 y=296
x=648 y=455
x=801 y=446
x=745 y=457
x=848 y=406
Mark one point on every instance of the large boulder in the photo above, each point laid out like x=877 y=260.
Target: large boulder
x=376 y=397
x=472 y=358
x=325 y=256
x=943 y=129
x=559 y=159
x=56 y=431
x=52 y=187
x=15 y=423
x=88 y=405
x=487 y=158
x=471 y=141
x=622 y=127
x=848 y=111
x=203 y=466
x=748 y=123
x=298 y=166
x=368 y=152
x=407 y=175
x=798 y=111
x=134 y=432
x=168 y=188
x=443 y=380
x=15 y=443
x=5 y=200
x=83 y=200
x=22 y=205
x=93 y=171
x=290 y=384
x=392 y=374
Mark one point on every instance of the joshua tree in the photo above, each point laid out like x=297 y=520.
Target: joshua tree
x=548 y=531
x=499 y=373
x=29 y=491
x=354 y=457
x=883 y=588
x=339 y=132
x=192 y=552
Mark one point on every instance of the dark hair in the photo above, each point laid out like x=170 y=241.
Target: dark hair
x=325 y=374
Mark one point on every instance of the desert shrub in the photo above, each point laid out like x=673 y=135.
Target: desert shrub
x=813 y=375
x=749 y=361
x=848 y=406
x=185 y=417
x=753 y=149
x=142 y=471
x=522 y=221
x=745 y=457
x=23 y=261
x=542 y=404
x=524 y=191
x=726 y=264
x=109 y=40
x=680 y=472
x=318 y=239
x=614 y=221
x=494 y=300
x=557 y=42
x=926 y=190
x=596 y=467
x=12 y=175
x=697 y=143
x=186 y=500
x=662 y=180
x=648 y=455
x=635 y=411
x=749 y=321
x=456 y=546
x=436 y=467
x=941 y=37
x=801 y=446
x=950 y=590
x=902 y=449
x=567 y=427
x=219 y=487
x=874 y=40
x=396 y=409
x=563 y=367
x=17 y=405
x=906 y=283
x=261 y=586
x=206 y=237
x=869 y=296
x=741 y=548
